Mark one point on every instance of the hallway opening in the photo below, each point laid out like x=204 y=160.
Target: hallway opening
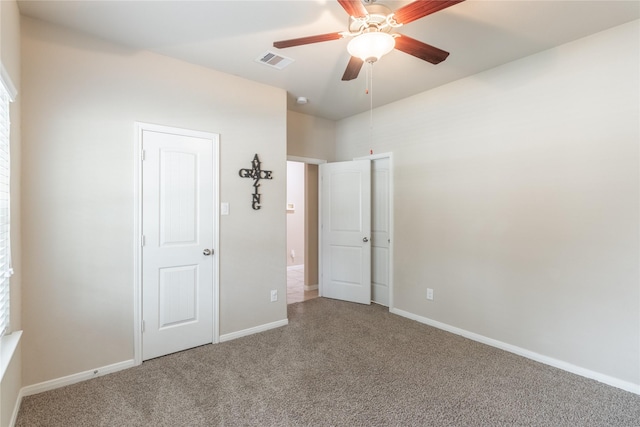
x=302 y=231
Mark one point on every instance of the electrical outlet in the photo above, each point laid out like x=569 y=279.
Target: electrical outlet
x=430 y=294
x=274 y=295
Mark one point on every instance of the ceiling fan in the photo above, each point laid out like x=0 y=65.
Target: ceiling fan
x=370 y=26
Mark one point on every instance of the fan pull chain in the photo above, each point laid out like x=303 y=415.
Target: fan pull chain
x=368 y=90
x=366 y=80
x=370 y=78
x=371 y=97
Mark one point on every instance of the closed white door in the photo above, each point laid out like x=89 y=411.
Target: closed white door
x=346 y=227
x=178 y=240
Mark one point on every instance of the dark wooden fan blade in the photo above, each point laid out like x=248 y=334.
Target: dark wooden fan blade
x=420 y=50
x=421 y=8
x=354 y=8
x=353 y=69
x=307 y=40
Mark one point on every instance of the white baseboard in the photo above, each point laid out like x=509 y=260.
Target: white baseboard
x=565 y=366
x=254 y=330
x=310 y=287
x=75 y=378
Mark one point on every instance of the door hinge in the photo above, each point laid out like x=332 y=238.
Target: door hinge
x=141 y=154
x=143 y=325
x=142 y=240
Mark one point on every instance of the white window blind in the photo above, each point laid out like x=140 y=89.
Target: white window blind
x=5 y=190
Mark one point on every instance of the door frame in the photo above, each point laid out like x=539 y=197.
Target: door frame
x=388 y=155
x=372 y=157
x=314 y=161
x=137 y=228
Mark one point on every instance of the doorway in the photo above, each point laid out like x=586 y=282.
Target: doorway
x=302 y=229
x=381 y=229
x=356 y=224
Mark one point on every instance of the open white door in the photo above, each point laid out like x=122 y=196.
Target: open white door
x=178 y=241
x=346 y=230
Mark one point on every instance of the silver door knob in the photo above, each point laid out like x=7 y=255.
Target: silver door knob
x=365 y=240
x=207 y=252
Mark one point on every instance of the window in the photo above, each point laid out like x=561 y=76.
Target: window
x=7 y=94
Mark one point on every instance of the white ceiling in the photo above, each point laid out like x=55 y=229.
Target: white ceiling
x=229 y=35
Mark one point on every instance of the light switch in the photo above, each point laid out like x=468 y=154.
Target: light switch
x=224 y=208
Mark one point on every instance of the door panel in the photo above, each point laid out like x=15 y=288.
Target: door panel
x=177 y=295
x=380 y=230
x=177 y=225
x=346 y=227
x=178 y=198
x=346 y=203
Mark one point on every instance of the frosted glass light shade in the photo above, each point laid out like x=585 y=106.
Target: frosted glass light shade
x=371 y=46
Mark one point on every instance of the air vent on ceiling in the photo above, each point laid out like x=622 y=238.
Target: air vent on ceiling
x=274 y=60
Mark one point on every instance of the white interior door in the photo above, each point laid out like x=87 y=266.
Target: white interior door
x=346 y=227
x=380 y=230
x=178 y=238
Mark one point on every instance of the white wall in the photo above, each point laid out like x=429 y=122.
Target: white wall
x=81 y=98
x=517 y=201
x=295 y=218
x=10 y=57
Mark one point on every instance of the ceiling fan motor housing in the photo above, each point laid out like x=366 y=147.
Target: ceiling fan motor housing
x=379 y=18
x=370 y=26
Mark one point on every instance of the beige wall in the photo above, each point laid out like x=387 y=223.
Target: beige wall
x=517 y=201
x=10 y=388
x=10 y=57
x=309 y=136
x=81 y=99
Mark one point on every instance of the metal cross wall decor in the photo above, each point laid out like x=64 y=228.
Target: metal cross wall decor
x=256 y=174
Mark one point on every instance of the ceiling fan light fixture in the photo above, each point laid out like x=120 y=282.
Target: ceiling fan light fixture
x=371 y=46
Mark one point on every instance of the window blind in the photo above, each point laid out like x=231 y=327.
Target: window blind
x=5 y=190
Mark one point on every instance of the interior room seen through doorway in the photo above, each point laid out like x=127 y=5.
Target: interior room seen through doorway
x=302 y=231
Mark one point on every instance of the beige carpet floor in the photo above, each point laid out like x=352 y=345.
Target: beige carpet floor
x=337 y=364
